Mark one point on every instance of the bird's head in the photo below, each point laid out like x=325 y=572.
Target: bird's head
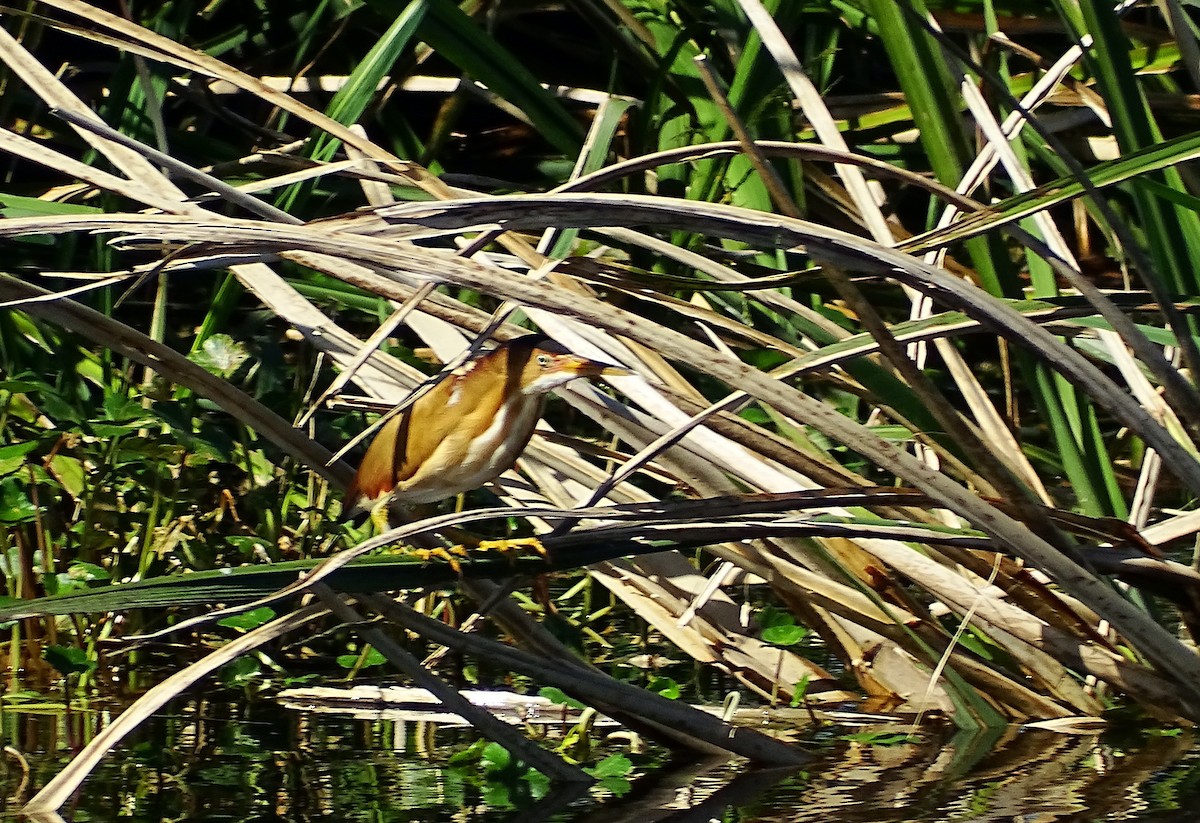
x=543 y=365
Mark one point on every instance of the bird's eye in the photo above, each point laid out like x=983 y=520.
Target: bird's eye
x=543 y=360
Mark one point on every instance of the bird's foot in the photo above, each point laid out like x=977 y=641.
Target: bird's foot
x=512 y=545
x=450 y=555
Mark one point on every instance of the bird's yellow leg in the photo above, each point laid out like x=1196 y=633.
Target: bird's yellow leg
x=379 y=519
x=379 y=515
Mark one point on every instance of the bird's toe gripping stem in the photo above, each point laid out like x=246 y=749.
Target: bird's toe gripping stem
x=512 y=545
x=451 y=555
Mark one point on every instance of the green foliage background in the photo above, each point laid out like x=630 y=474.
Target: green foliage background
x=1087 y=228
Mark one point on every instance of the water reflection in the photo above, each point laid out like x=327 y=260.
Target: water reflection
x=213 y=760
x=1028 y=776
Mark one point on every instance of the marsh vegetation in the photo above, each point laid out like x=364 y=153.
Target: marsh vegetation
x=907 y=292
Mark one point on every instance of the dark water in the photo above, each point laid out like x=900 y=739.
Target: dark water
x=217 y=761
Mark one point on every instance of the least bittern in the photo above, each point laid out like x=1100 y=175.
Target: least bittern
x=469 y=428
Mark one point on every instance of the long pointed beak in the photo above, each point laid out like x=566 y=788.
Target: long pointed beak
x=584 y=367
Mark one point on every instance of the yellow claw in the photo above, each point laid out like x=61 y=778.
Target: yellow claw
x=512 y=544
x=425 y=555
